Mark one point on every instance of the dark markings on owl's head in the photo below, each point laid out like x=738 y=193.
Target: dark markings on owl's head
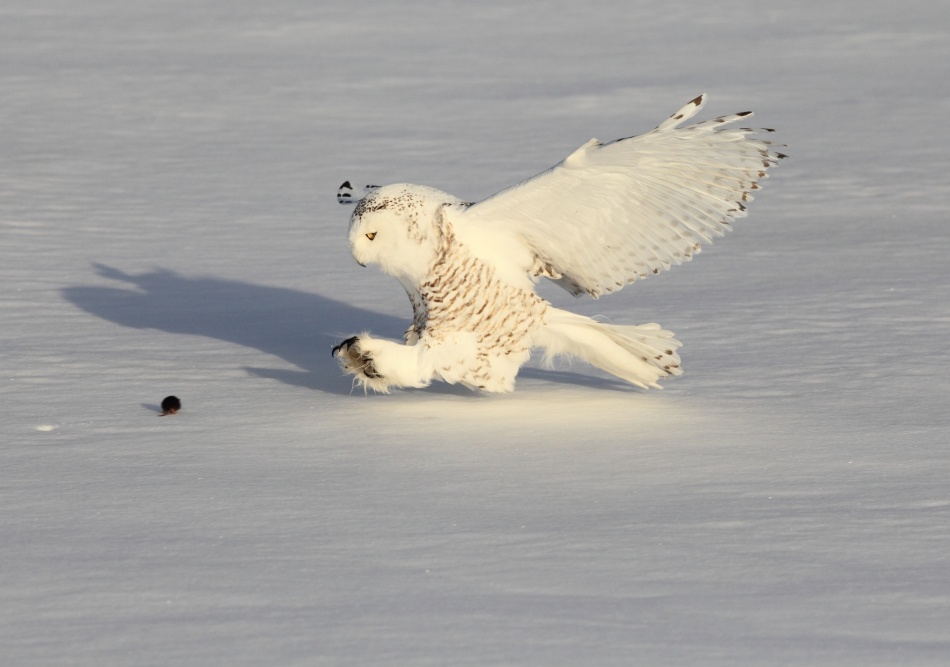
x=370 y=204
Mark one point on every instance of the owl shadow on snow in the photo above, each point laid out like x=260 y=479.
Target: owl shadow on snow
x=296 y=326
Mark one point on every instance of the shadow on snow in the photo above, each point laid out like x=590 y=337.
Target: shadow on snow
x=296 y=326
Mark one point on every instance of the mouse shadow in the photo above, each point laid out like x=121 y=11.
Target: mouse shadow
x=298 y=327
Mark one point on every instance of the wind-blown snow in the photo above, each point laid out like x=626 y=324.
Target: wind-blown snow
x=168 y=225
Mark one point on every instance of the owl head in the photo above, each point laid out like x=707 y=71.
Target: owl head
x=396 y=226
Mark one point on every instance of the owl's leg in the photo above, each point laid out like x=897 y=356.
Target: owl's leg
x=379 y=364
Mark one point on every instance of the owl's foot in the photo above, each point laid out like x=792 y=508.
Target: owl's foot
x=358 y=363
x=380 y=365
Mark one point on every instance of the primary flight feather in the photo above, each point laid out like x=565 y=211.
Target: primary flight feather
x=605 y=216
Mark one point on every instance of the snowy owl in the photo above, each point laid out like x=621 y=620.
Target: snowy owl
x=605 y=216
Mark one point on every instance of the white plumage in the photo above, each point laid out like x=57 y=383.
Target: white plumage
x=605 y=216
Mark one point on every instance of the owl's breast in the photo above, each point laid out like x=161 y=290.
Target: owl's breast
x=463 y=294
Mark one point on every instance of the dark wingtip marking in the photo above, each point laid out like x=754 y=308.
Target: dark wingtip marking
x=344 y=194
x=743 y=114
x=697 y=101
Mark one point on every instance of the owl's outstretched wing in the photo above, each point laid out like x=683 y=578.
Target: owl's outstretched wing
x=609 y=214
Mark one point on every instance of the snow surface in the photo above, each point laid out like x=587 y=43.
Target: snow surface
x=168 y=225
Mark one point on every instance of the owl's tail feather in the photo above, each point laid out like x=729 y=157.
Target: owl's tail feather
x=641 y=354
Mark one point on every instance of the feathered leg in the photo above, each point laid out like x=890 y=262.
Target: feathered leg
x=454 y=358
x=379 y=364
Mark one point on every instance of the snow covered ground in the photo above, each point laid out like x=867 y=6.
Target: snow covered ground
x=168 y=226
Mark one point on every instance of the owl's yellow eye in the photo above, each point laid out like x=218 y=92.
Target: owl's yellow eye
x=371 y=236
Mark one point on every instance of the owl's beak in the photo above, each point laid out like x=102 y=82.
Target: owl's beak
x=361 y=263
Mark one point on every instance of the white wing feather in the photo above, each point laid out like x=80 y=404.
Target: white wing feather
x=609 y=214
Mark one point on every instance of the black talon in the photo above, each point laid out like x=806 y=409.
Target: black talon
x=369 y=370
x=347 y=343
x=358 y=363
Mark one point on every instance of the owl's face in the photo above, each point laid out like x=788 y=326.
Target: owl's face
x=393 y=227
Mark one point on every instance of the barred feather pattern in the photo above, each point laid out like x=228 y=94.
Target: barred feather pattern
x=463 y=294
